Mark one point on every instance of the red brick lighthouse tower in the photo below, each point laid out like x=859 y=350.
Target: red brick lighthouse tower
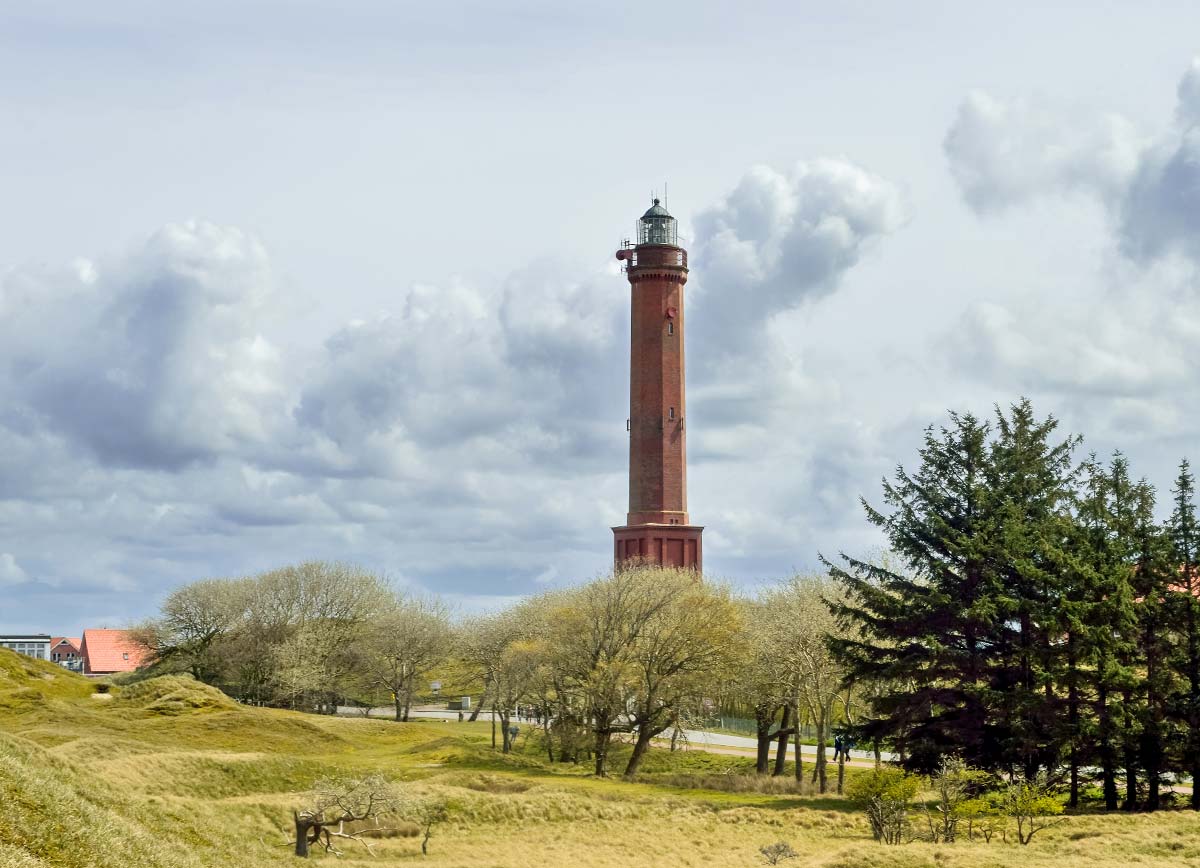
x=657 y=529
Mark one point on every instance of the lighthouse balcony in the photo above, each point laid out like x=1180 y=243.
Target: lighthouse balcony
x=653 y=256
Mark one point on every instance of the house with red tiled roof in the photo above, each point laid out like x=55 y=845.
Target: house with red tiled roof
x=106 y=652
x=65 y=651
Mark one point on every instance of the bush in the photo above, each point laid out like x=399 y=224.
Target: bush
x=954 y=784
x=1032 y=804
x=983 y=814
x=886 y=795
x=777 y=852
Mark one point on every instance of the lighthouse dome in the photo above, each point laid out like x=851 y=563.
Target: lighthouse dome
x=656 y=210
x=657 y=226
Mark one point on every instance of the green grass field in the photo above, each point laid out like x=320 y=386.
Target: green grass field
x=173 y=773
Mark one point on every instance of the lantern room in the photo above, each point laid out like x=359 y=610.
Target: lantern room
x=657 y=226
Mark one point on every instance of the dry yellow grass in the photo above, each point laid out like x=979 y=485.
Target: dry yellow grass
x=170 y=774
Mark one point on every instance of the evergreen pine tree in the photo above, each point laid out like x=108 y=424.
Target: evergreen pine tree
x=1114 y=628
x=1031 y=488
x=963 y=634
x=1075 y=618
x=926 y=624
x=1185 y=541
x=1152 y=578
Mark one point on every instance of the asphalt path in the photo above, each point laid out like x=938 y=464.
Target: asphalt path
x=698 y=739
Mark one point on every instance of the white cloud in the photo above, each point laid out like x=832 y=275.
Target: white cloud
x=151 y=359
x=10 y=571
x=1007 y=152
x=778 y=240
x=1004 y=153
x=1119 y=352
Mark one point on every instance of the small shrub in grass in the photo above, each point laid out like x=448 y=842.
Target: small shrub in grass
x=984 y=816
x=778 y=852
x=954 y=784
x=1033 y=806
x=886 y=795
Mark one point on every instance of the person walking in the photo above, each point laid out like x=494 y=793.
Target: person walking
x=837 y=747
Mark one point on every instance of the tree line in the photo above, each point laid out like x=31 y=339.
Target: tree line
x=1035 y=618
x=1030 y=616
x=635 y=655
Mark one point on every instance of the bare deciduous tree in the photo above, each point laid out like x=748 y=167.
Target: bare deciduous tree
x=402 y=646
x=337 y=802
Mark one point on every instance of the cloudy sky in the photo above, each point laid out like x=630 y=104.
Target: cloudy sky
x=291 y=280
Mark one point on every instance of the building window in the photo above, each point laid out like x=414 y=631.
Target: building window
x=125 y=656
x=670 y=328
x=671 y=413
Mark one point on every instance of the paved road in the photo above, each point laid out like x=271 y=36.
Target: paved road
x=718 y=742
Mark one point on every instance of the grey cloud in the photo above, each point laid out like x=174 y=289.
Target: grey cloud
x=148 y=360
x=1161 y=210
x=1188 y=96
x=1004 y=153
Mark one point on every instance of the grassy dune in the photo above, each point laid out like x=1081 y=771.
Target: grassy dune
x=173 y=773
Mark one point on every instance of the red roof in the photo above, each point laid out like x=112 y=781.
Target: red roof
x=55 y=641
x=107 y=651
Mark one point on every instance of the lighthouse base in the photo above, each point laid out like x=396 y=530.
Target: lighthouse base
x=666 y=545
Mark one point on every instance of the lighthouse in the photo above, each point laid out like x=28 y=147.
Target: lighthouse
x=658 y=529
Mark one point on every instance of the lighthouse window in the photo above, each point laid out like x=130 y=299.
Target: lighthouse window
x=672 y=413
x=670 y=328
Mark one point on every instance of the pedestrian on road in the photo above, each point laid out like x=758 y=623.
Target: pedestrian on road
x=848 y=745
x=837 y=747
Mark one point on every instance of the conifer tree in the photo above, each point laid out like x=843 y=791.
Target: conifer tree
x=1109 y=521
x=1074 y=620
x=1031 y=487
x=963 y=633
x=1151 y=579
x=926 y=624
x=1185 y=541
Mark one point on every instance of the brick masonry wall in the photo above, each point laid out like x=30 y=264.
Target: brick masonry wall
x=657 y=400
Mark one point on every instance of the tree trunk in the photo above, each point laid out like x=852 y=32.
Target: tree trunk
x=601 y=750
x=505 y=730
x=878 y=755
x=1108 y=762
x=796 y=745
x=841 y=771
x=399 y=707
x=478 y=708
x=493 y=726
x=819 y=772
x=764 y=716
x=303 y=826
x=781 y=750
x=546 y=731
x=1131 y=757
x=639 y=751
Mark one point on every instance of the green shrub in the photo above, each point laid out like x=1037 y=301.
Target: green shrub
x=886 y=795
x=1032 y=804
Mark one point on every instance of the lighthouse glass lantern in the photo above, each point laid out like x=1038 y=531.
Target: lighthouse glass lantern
x=657 y=226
